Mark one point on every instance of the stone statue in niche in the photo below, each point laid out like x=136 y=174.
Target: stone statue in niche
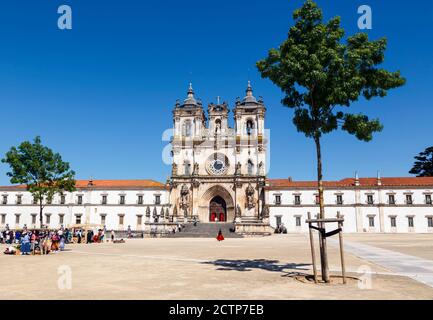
x=184 y=196
x=196 y=169
x=238 y=168
x=174 y=169
x=261 y=168
x=250 y=197
x=238 y=211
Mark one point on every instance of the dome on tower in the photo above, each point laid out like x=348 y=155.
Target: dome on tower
x=249 y=100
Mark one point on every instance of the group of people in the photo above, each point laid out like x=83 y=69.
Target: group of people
x=34 y=241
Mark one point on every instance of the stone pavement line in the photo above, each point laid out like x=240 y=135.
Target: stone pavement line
x=416 y=268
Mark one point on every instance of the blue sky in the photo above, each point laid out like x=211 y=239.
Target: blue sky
x=102 y=93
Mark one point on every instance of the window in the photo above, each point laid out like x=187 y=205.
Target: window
x=48 y=218
x=278 y=220
x=370 y=199
x=61 y=218
x=103 y=219
x=17 y=218
x=430 y=222
x=139 y=219
x=62 y=199
x=35 y=200
x=410 y=222
x=34 y=218
x=371 y=222
x=250 y=167
x=428 y=199
x=317 y=199
x=393 y=222
x=121 y=216
x=298 y=221
x=78 y=218
x=391 y=199
x=3 y=218
x=79 y=199
x=49 y=200
x=297 y=200
x=140 y=200
x=250 y=127
x=218 y=126
x=157 y=199
x=5 y=200
x=277 y=199
x=122 y=200
x=19 y=199
x=104 y=199
x=409 y=199
x=339 y=199
x=186 y=128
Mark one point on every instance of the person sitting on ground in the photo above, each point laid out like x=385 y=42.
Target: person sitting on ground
x=10 y=250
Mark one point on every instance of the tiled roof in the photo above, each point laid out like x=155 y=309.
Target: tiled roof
x=107 y=184
x=350 y=182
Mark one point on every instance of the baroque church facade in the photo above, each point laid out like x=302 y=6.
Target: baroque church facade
x=218 y=172
x=219 y=175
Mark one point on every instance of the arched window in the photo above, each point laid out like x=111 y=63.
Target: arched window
x=217 y=126
x=187 y=128
x=250 y=167
x=250 y=127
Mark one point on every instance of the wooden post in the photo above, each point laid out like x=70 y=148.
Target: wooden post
x=313 y=253
x=340 y=235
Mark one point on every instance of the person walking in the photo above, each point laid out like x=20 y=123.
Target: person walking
x=220 y=236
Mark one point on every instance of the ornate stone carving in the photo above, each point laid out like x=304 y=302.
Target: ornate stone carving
x=196 y=183
x=265 y=212
x=155 y=215
x=250 y=197
x=174 y=169
x=147 y=212
x=175 y=211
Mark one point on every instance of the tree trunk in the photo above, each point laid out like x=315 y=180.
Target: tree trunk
x=323 y=249
x=41 y=208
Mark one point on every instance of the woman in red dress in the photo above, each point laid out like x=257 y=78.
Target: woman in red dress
x=220 y=236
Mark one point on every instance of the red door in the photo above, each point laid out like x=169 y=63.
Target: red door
x=217 y=210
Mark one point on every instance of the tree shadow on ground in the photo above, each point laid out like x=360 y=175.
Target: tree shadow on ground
x=287 y=270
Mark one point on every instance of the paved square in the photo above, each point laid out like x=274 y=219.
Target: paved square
x=248 y=268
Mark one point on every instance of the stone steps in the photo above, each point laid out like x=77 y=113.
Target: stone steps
x=205 y=230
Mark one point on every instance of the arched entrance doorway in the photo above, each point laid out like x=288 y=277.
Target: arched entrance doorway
x=217 y=210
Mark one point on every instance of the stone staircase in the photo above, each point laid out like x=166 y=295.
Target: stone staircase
x=205 y=230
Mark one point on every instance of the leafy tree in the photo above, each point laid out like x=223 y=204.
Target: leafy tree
x=423 y=167
x=41 y=170
x=321 y=76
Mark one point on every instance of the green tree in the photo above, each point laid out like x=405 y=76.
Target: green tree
x=321 y=76
x=423 y=166
x=41 y=170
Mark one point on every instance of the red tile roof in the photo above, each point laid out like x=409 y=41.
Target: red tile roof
x=108 y=184
x=350 y=182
